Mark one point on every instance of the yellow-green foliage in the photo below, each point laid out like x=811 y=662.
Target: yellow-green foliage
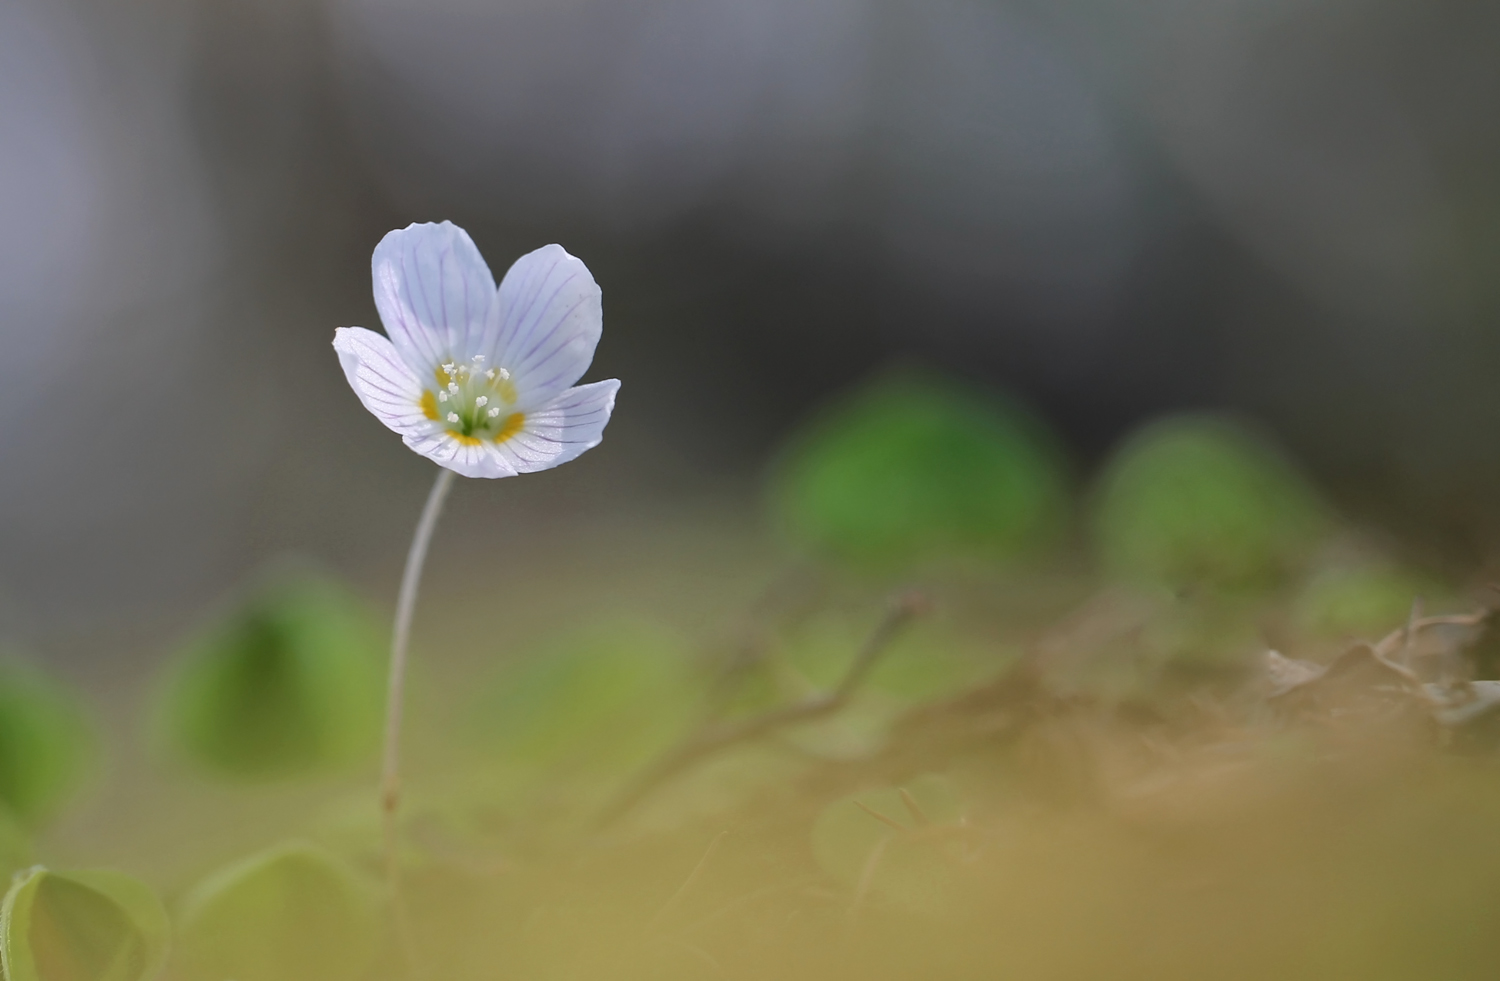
x=294 y=911
x=93 y=925
x=1361 y=600
x=1199 y=500
x=1037 y=778
x=15 y=846
x=855 y=841
x=928 y=659
x=598 y=698
x=45 y=742
x=290 y=679
x=912 y=466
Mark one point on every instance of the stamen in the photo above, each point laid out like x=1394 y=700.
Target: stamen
x=504 y=375
x=490 y=373
x=493 y=412
x=453 y=387
x=482 y=401
x=448 y=367
x=453 y=417
x=478 y=358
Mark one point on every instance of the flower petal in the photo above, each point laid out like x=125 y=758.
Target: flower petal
x=546 y=324
x=382 y=379
x=434 y=293
x=467 y=457
x=561 y=429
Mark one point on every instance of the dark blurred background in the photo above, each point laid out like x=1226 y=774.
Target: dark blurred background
x=1113 y=208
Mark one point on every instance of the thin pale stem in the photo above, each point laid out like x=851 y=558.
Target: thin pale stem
x=406 y=603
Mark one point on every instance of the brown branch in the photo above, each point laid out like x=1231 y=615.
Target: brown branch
x=787 y=592
x=888 y=822
x=918 y=815
x=714 y=737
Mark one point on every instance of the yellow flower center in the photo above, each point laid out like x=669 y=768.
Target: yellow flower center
x=473 y=402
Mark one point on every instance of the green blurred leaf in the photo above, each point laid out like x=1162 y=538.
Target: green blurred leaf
x=911 y=467
x=604 y=697
x=1200 y=500
x=1361 y=601
x=94 y=925
x=290 y=680
x=45 y=742
x=291 y=912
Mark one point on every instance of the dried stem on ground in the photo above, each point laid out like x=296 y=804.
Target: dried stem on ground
x=714 y=736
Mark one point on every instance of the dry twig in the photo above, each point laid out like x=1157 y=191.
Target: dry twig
x=714 y=737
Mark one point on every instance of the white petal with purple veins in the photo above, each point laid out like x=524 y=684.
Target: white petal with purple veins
x=434 y=293
x=562 y=429
x=466 y=457
x=546 y=324
x=383 y=381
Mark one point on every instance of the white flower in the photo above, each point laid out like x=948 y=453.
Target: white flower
x=501 y=362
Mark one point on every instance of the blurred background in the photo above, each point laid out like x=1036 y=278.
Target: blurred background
x=1111 y=209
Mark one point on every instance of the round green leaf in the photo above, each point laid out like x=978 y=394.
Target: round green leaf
x=1361 y=600
x=94 y=925
x=1201 y=500
x=45 y=742
x=911 y=467
x=290 y=680
x=293 y=911
x=598 y=698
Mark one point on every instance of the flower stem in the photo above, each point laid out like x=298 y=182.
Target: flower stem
x=406 y=602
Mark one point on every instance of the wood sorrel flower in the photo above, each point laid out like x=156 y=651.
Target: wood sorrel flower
x=480 y=380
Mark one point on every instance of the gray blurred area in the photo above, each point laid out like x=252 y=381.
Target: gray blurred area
x=1113 y=207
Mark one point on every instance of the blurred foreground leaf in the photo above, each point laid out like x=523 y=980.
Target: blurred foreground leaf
x=900 y=842
x=1200 y=500
x=45 y=742
x=600 y=698
x=290 y=680
x=291 y=912
x=912 y=467
x=81 y=926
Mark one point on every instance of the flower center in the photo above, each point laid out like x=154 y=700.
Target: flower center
x=473 y=401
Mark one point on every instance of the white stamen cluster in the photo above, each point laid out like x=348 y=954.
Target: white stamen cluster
x=477 y=395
